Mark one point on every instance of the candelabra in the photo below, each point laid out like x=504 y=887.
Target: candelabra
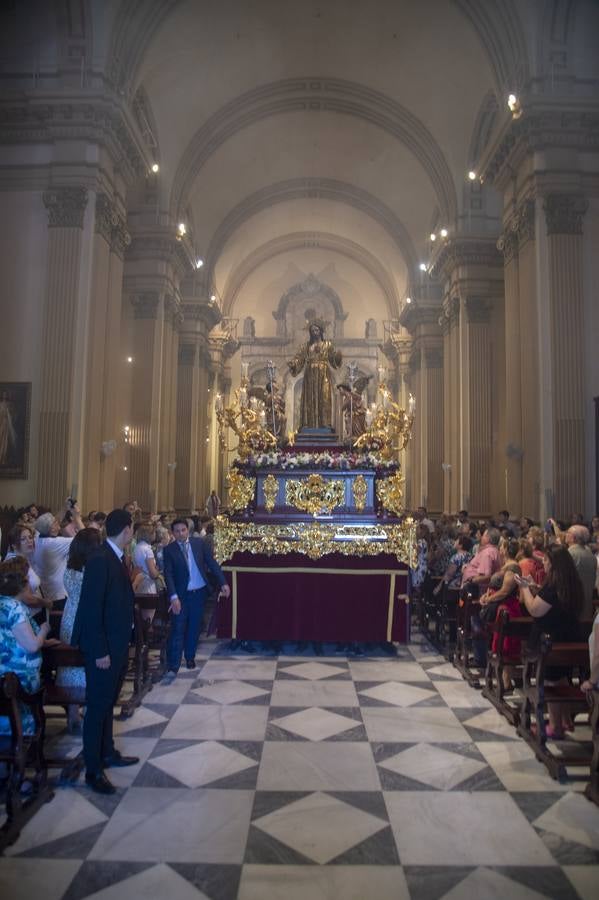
x=388 y=425
x=246 y=417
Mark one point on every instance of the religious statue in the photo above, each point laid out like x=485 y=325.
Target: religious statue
x=274 y=406
x=352 y=406
x=316 y=357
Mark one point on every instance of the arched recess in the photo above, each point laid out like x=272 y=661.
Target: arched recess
x=310 y=287
x=501 y=34
x=297 y=241
x=333 y=95
x=302 y=188
x=135 y=24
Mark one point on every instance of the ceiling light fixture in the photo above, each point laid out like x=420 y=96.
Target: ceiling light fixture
x=433 y=236
x=155 y=168
x=182 y=228
x=213 y=297
x=408 y=299
x=199 y=263
x=472 y=175
x=444 y=232
x=423 y=267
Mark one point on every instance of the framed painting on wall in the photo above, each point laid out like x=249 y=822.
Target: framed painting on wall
x=15 y=403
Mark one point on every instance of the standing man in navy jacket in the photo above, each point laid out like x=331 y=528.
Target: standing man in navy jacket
x=102 y=629
x=187 y=561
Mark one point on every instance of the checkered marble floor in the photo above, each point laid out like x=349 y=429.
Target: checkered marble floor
x=314 y=777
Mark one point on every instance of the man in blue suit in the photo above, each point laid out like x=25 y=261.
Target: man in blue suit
x=102 y=630
x=187 y=562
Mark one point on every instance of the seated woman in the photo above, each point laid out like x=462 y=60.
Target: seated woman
x=529 y=563
x=21 y=638
x=145 y=565
x=556 y=608
x=21 y=543
x=83 y=545
x=504 y=593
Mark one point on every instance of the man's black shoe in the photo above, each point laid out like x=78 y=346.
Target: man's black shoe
x=190 y=663
x=100 y=784
x=118 y=761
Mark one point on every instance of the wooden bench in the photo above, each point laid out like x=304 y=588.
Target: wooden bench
x=156 y=630
x=494 y=688
x=592 y=788
x=65 y=696
x=138 y=667
x=468 y=605
x=537 y=694
x=22 y=753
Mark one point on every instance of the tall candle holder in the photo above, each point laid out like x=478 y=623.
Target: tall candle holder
x=388 y=425
x=246 y=417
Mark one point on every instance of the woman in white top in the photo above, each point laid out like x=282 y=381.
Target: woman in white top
x=50 y=554
x=21 y=542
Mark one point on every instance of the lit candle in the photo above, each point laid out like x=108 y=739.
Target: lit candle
x=243 y=396
x=218 y=402
x=245 y=369
x=253 y=403
x=385 y=399
x=382 y=372
x=262 y=418
x=368 y=418
x=411 y=405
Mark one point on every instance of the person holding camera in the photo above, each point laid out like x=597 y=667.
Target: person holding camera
x=51 y=550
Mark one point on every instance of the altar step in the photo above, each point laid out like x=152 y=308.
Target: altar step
x=317 y=438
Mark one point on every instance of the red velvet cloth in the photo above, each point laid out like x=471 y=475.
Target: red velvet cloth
x=335 y=598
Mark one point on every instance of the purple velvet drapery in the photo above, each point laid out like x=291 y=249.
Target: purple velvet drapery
x=335 y=598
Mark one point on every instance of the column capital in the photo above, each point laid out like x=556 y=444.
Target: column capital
x=464 y=251
x=525 y=222
x=478 y=310
x=66 y=206
x=145 y=306
x=106 y=216
x=201 y=309
x=120 y=237
x=508 y=244
x=172 y=311
x=564 y=213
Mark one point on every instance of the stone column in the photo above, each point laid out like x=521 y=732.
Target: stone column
x=564 y=216
x=513 y=373
x=432 y=445
x=66 y=208
x=416 y=475
x=144 y=453
x=478 y=406
x=187 y=427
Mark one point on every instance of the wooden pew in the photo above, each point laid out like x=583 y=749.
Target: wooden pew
x=494 y=689
x=156 y=630
x=592 y=788
x=138 y=668
x=66 y=697
x=462 y=659
x=21 y=752
x=537 y=694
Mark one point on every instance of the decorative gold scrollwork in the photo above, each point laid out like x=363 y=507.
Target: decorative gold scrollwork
x=315 y=494
x=389 y=492
x=271 y=490
x=241 y=490
x=360 y=491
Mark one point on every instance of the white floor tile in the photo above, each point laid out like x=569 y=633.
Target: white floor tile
x=202 y=763
x=387 y=670
x=23 y=879
x=313 y=670
x=67 y=813
x=397 y=693
x=460 y=695
x=585 y=880
x=492 y=721
x=434 y=766
x=314 y=693
x=141 y=718
x=484 y=883
x=574 y=818
x=322 y=883
x=461 y=829
x=303 y=766
x=229 y=691
x=177 y=825
x=151 y=884
x=219 y=723
x=517 y=767
x=316 y=724
x=429 y=724
x=320 y=826
x=239 y=670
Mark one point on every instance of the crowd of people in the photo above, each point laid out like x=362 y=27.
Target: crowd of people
x=89 y=570
x=550 y=573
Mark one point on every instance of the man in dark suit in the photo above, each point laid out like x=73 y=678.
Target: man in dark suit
x=187 y=564
x=102 y=630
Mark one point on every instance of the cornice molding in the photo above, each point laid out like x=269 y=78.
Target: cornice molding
x=98 y=118
x=540 y=127
x=457 y=252
x=564 y=213
x=162 y=246
x=66 y=206
x=201 y=309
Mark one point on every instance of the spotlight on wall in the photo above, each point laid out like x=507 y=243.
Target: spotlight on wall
x=199 y=263
x=433 y=236
x=444 y=232
x=472 y=175
x=423 y=267
x=213 y=298
x=129 y=359
x=182 y=228
x=514 y=106
x=155 y=168
x=408 y=299
x=124 y=468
